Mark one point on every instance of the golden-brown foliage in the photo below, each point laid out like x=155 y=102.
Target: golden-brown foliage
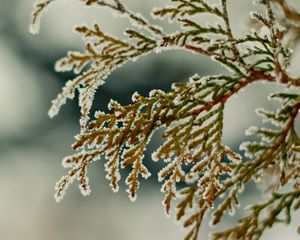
x=203 y=174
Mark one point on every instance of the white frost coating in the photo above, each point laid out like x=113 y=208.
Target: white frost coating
x=145 y=174
x=135 y=97
x=134 y=197
x=35 y=28
x=156 y=92
x=253 y=14
x=270 y=134
x=68 y=92
x=264 y=32
x=67 y=180
x=87 y=190
x=229 y=69
x=170 y=113
x=130 y=180
x=137 y=20
x=251 y=131
x=113 y=104
x=194 y=78
x=199 y=166
x=256 y=2
x=290 y=50
x=85 y=102
x=99 y=114
x=109 y=151
x=243 y=147
x=262 y=112
x=280 y=27
x=182 y=131
x=155 y=157
x=270 y=179
x=146 y=26
x=86 y=97
x=234 y=157
x=158 y=17
x=183 y=109
x=191 y=178
x=278 y=77
x=213 y=41
x=177 y=101
x=158 y=50
x=66 y=163
x=113 y=175
x=59 y=67
x=36 y=16
x=169 y=168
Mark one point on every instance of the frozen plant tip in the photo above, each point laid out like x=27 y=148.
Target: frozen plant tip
x=200 y=172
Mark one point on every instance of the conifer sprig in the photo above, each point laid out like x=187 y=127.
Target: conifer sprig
x=263 y=216
x=203 y=174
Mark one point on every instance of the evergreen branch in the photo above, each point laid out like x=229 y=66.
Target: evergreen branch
x=104 y=53
x=136 y=18
x=282 y=143
x=223 y=99
x=252 y=226
x=229 y=33
x=109 y=59
x=130 y=128
x=39 y=8
x=187 y=8
x=199 y=169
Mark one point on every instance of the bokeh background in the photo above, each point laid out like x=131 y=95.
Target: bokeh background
x=32 y=145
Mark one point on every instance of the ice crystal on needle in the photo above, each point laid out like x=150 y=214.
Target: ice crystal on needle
x=40 y=8
x=203 y=174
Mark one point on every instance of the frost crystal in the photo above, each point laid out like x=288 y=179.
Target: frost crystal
x=264 y=32
x=68 y=91
x=40 y=8
x=135 y=97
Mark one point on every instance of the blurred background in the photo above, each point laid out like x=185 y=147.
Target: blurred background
x=32 y=145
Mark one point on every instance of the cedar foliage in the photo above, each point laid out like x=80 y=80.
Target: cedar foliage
x=191 y=114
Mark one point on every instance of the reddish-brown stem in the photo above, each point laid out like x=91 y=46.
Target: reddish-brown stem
x=246 y=176
x=254 y=76
x=290 y=14
x=285 y=79
x=285 y=130
x=204 y=52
